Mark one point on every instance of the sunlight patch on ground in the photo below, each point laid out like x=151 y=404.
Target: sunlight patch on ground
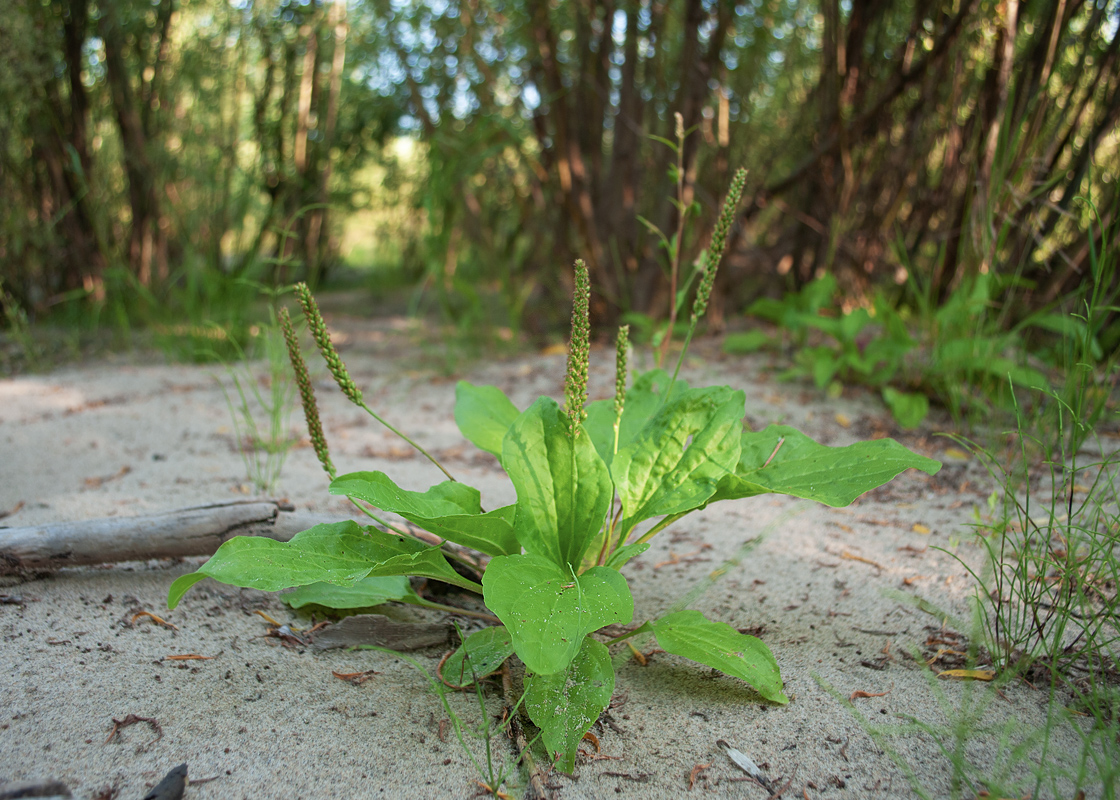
x=31 y=396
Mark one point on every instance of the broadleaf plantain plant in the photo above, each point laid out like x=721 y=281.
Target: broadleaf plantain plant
x=589 y=479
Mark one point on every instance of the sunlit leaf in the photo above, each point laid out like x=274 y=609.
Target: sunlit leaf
x=782 y=460
x=677 y=460
x=483 y=414
x=338 y=552
x=718 y=645
x=450 y=509
x=563 y=488
x=547 y=612
x=643 y=399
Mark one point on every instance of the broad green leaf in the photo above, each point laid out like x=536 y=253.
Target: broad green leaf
x=676 y=462
x=563 y=488
x=549 y=612
x=363 y=594
x=642 y=401
x=800 y=467
x=450 y=509
x=718 y=645
x=483 y=414
x=566 y=704
x=480 y=654
x=907 y=408
x=339 y=552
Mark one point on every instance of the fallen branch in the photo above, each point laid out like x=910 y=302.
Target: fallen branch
x=194 y=531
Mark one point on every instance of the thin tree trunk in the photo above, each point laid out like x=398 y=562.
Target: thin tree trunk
x=317 y=217
x=148 y=231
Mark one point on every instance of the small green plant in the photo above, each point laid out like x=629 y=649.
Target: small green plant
x=662 y=334
x=595 y=482
x=263 y=447
x=1049 y=593
x=465 y=669
x=19 y=329
x=957 y=353
x=1046 y=602
x=865 y=346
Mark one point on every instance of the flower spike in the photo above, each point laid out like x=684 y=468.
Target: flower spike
x=719 y=242
x=579 y=351
x=306 y=394
x=322 y=339
x=622 y=348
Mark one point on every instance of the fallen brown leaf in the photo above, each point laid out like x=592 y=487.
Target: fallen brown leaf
x=695 y=773
x=132 y=719
x=356 y=678
x=968 y=674
x=154 y=618
x=93 y=483
x=860 y=693
x=853 y=557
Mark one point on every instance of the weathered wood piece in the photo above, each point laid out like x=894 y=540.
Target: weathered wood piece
x=196 y=531
x=381 y=631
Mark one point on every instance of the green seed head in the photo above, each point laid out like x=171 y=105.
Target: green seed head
x=306 y=394
x=622 y=347
x=575 y=386
x=719 y=242
x=322 y=338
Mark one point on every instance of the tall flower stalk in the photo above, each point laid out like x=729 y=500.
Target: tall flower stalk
x=710 y=265
x=621 y=353
x=338 y=369
x=579 y=352
x=306 y=395
x=677 y=241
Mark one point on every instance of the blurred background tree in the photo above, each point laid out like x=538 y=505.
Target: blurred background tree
x=476 y=147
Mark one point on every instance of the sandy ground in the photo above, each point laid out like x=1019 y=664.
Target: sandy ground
x=268 y=721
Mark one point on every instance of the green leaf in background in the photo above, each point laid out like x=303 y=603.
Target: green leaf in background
x=746 y=342
x=566 y=704
x=549 y=612
x=802 y=468
x=563 y=488
x=716 y=644
x=642 y=401
x=480 y=654
x=338 y=552
x=677 y=460
x=450 y=509
x=363 y=594
x=483 y=414
x=907 y=408
x=825 y=364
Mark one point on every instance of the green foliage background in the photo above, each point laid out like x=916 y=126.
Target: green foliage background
x=152 y=153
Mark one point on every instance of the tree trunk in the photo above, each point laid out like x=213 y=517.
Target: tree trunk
x=148 y=232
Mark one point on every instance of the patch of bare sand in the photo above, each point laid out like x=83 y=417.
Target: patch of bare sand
x=269 y=721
